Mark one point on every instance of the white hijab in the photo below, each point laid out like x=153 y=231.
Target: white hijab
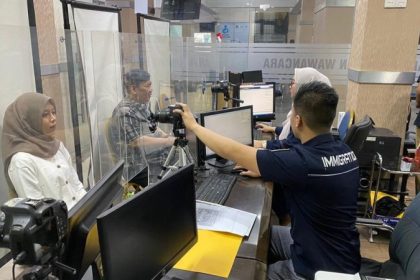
x=302 y=76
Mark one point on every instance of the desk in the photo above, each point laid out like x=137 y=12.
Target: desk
x=252 y=195
x=248 y=194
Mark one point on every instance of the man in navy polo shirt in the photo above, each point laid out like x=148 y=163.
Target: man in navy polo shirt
x=320 y=177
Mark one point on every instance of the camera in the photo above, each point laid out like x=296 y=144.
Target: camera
x=168 y=116
x=220 y=86
x=35 y=231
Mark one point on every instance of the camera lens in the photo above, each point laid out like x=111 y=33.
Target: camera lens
x=164 y=116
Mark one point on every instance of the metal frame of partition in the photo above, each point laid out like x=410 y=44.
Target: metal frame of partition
x=34 y=44
x=71 y=70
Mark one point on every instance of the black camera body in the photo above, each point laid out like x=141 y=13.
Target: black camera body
x=34 y=229
x=168 y=116
x=220 y=86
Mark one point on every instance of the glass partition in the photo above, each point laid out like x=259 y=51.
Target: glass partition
x=93 y=93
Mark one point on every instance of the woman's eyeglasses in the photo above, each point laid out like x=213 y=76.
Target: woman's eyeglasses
x=292 y=82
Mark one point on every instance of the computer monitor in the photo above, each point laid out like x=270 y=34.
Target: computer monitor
x=235 y=123
x=252 y=76
x=82 y=246
x=180 y=9
x=143 y=237
x=261 y=97
x=235 y=78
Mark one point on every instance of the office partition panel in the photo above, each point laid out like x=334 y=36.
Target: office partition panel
x=96 y=57
x=19 y=59
x=157 y=48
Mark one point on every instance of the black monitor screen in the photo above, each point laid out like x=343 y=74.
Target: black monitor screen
x=83 y=244
x=180 y=9
x=145 y=236
x=252 y=76
x=261 y=97
x=235 y=123
x=235 y=78
x=207 y=26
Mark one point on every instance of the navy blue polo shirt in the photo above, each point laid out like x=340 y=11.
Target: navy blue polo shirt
x=320 y=179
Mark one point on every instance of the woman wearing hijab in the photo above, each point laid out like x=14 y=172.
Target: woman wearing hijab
x=302 y=76
x=36 y=164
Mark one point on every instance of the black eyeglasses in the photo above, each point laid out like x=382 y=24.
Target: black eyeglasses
x=292 y=82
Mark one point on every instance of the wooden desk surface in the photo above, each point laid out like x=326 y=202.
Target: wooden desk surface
x=252 y=195
x=249 y=194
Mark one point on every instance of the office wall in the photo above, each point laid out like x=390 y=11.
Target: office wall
x=333 y=25
x=384 y=42
x=305 y=21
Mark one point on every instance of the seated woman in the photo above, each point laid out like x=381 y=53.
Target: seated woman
x=284 y=133
x=37 y=164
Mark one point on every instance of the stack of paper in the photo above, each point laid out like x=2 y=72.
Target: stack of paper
x=217 y=217
x=219 y=236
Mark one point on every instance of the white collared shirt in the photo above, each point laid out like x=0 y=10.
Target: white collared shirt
x=35 y=177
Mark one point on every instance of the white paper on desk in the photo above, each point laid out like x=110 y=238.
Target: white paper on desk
x=217 y=217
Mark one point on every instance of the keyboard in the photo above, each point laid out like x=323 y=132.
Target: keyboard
x=258 y=134
x=215 y=188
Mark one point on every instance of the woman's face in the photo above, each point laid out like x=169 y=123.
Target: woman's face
x=49 y=120
x=292 y=88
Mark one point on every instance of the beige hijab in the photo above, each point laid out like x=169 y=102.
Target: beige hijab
x=22 y=129
x=302 y=76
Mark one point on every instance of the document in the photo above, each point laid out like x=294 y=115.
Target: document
x=214 y=253
x=211 y=216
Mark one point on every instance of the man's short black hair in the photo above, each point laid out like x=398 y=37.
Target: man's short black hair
x=316 y=103
x=135 y=77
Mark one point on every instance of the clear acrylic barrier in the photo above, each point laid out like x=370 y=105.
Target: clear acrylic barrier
x=91 y=83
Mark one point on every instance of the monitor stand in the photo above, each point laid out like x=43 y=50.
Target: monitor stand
x=220 y=162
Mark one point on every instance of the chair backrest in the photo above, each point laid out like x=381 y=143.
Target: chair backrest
x=104 y=157
x=404 y=246
x=357 y=134
x=345 y=124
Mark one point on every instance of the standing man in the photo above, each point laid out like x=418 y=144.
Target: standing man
x=132 y=133
x=320 y=177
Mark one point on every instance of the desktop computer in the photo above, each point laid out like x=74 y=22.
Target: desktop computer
x=82 y=247
x=235 y=123
x=384 y=141
x=143 y=237
x=261 y=97
x=252 y=76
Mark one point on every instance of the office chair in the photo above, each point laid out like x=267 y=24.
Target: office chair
x=345 y=124
x=404 y=249
x=103 y=156
x=357 y=134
